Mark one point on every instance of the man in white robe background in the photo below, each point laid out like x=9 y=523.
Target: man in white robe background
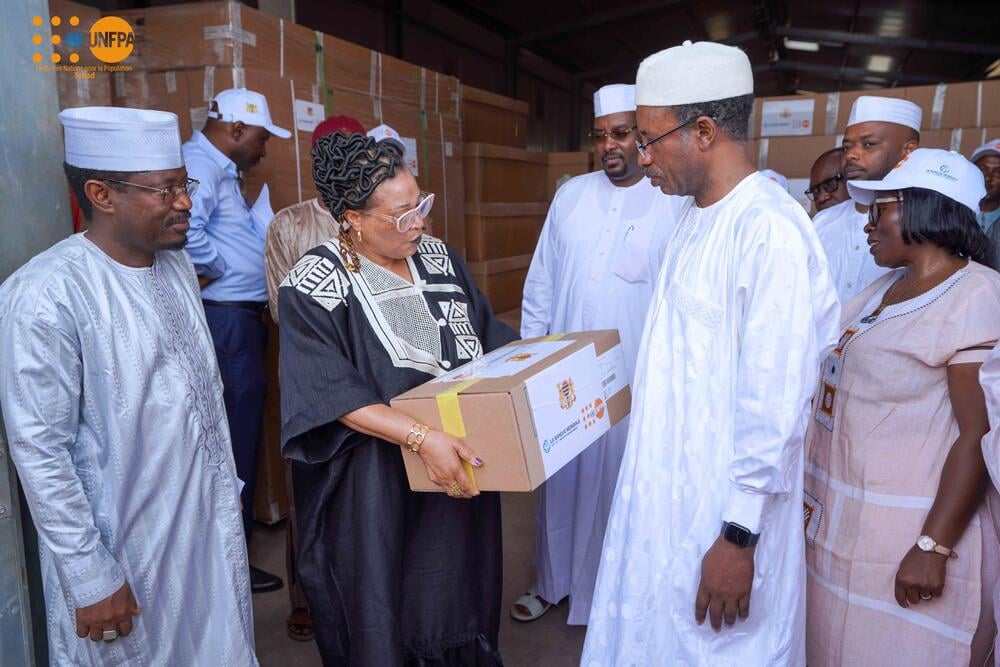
x=595 y=267
x=707 y=516
x=113 y=407
x=880 y=132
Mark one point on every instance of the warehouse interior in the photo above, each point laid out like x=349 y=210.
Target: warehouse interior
x=496 y=101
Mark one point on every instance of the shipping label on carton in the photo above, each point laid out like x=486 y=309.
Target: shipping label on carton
x=568 y=407
x=782 y=118
x=505 y=361
x=308 y=115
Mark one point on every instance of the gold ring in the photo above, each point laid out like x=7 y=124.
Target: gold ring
x=454 y=490
x=926 y=597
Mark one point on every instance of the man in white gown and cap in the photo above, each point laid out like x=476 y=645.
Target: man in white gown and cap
x=595 y=267
x=113 y=406
x=707 y=516
x=880 y=132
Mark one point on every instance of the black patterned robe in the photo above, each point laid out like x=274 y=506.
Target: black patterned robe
x=392 y=576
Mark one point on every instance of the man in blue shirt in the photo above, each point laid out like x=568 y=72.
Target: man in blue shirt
x=226 y=244
x=987 y=158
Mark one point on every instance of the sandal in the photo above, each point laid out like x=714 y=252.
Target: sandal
x=529 y=607
x=300 y=625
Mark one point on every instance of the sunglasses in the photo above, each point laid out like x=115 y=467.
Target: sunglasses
x=408 y=220
x=828 y=186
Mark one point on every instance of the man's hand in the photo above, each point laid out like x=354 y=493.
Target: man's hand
x=204 y=282
x=111 y=613
x=726 y=580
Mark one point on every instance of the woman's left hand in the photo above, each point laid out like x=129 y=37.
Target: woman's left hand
x=920 y=577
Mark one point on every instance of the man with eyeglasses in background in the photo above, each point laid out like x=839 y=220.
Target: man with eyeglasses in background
x=827 y=186
x=113 y=406
x=594 y=268
x=880 y=132
x=226 y=243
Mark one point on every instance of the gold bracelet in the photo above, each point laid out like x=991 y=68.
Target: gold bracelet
x=415 y=438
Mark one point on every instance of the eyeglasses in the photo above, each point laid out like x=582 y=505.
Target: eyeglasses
x=168 y=194
x=408 y=220
x=828 y=186
x=618 y=134
x=642 y=146
x=874 y=212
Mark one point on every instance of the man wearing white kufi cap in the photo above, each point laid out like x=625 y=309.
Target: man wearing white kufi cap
x=594 y=268
x=113 y=407
x=707 y=516
x=880 y=132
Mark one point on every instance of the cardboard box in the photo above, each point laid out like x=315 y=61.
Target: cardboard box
x=789 y=115
x=222 y=34
x=504 y=174
x=502 y=280
x=792 y=156
x=494 y=119
x=500 y=230
x=527 y=409
x=378 y=76
x=564 y=166
x=77 y=86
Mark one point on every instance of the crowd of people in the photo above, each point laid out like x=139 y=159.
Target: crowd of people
x=812 y=397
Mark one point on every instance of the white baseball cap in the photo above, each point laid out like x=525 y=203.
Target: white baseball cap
x=247 y=107
x=946 y=172
x=991 y=147
x=385 y=133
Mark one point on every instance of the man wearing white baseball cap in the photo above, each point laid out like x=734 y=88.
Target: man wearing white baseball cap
x=594 y=267
x=226 y=243
x=384 y=133
x=900 y=414
x=113 y=406
x=880 y=131
x=987 y=158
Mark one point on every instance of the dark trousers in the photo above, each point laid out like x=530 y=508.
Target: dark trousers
x=239 y=335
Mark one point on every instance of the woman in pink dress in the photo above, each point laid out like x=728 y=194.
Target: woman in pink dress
x=901 y=547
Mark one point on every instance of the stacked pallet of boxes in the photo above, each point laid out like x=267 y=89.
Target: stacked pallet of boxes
x=185 y=54
x=78 y=89
x=507 y=193
x=789 y=133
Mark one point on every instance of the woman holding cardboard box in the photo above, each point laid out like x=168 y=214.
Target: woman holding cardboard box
x=392 y=576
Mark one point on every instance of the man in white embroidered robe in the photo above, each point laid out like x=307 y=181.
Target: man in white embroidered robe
x=595 y=267
x=707 y=516
x=880 y=132
x=113 y=407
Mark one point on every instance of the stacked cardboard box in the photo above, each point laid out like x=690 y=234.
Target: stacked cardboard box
x=790 y=132
x=489 y=118
x=185 y=54
x=77 y=89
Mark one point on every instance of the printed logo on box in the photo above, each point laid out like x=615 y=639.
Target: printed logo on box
x=524 y=356
x=592 y=413
x=567 y=394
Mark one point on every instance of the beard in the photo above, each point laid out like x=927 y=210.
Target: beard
x=172 y=220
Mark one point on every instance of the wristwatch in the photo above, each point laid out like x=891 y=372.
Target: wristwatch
x=738 y=535
x=929 y=544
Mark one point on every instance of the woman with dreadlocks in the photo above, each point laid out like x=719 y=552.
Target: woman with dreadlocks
x=392 y=577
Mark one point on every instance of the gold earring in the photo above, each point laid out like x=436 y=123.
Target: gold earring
x=359 y=235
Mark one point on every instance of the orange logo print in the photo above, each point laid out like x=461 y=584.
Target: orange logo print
x=111 y=39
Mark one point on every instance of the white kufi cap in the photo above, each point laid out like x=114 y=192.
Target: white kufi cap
x=118 y=139
x=615 y=98
x=691 y=73
x=945 y=172
x=869 y=108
